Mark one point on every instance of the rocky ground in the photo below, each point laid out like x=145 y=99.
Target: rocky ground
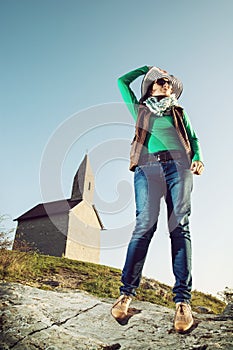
x=32 y=319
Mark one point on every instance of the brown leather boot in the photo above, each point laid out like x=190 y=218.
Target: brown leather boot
x=183 y=317
x=120 y=308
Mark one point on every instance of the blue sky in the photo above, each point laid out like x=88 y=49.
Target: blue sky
x=59 y=63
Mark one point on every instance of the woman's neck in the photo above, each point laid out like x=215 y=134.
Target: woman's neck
x=160 y=97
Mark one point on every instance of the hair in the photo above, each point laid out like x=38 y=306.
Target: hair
x=148 y=93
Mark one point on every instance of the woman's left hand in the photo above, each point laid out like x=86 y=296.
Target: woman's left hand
x=197 y=167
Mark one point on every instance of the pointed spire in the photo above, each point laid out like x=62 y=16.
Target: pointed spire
x=83 y=184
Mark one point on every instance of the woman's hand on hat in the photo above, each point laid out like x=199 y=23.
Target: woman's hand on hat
x=197 y=167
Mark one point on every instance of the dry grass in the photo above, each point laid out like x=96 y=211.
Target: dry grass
x=49 y=272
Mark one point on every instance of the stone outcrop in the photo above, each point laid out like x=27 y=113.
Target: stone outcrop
x=32 y=319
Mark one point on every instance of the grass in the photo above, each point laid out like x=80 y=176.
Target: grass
x=54 y=273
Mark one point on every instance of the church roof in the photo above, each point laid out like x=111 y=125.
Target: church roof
x=98 y=217
x=79 y=180
x=50 y=208
x=53 y=208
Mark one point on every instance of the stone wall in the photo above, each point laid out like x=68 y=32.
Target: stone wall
x=83 y=239
x=48 y=235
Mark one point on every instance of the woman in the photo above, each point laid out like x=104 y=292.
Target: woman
x=165 y=153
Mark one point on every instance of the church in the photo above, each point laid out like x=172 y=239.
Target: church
x=65 y=228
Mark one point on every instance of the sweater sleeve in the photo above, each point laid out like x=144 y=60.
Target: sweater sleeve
x=193 y=139
x=127 y=94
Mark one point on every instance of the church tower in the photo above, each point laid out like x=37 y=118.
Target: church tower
x=83 y=236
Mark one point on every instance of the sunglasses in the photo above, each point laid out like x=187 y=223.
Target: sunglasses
x=162 y=81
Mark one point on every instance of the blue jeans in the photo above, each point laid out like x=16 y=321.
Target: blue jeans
x=172 y=180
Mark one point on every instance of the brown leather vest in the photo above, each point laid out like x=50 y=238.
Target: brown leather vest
x=142 y=129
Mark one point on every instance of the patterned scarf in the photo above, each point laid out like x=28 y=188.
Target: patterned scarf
x=160 y=107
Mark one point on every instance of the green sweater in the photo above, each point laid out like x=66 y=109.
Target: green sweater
x=162 y=133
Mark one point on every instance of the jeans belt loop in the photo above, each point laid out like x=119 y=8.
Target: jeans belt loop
x=161 y=156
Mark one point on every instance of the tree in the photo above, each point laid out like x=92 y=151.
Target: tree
x=227 y=295
x=5 y=233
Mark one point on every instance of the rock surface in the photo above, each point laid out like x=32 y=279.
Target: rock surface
x=68 y=320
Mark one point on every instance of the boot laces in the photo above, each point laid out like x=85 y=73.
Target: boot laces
x=125 y=299
x=182 y=308
x=182 y=311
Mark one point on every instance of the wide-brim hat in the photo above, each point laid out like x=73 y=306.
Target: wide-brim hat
x=155 y=73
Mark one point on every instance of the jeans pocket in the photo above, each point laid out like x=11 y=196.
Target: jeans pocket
x=183 y=163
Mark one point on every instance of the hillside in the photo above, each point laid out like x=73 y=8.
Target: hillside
x=52 y=273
